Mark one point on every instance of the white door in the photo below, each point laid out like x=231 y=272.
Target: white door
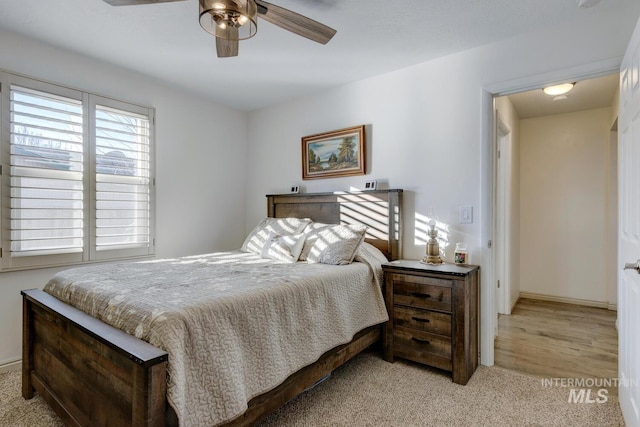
x=629 y=232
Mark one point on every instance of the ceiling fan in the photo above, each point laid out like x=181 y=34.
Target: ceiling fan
x=233 y=20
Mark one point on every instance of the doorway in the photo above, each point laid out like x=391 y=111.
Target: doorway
x=556 y=164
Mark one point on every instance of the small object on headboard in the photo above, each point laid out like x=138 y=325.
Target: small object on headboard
x=370 y=185
x=295 y=189
x=379 y=210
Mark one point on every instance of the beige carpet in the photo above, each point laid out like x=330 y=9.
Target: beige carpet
x=371 y=392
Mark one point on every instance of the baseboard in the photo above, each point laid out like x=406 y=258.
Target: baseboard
x=575 y=301
x=515 y=301
x=612 y=307
x=10 y=365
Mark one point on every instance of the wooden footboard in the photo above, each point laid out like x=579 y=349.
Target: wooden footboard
x=92 y=374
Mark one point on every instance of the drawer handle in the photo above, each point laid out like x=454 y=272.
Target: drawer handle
x=419 y=295
x=421 y=341
x=418 y=319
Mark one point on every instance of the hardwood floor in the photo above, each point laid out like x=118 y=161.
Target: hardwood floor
x=556 y=340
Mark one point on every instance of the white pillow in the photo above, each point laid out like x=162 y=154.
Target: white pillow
x=370 y=255
x=336 y=244
x=310 y=232
x=283 y=248
x=368 y=252
x=282 y=226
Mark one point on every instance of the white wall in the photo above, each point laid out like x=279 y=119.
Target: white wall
x=564 y=205
x=200 y=165
x=428 y=129
x=509 y=116
x=417 y=143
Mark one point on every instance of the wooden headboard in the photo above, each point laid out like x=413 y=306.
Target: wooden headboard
x=379 y=210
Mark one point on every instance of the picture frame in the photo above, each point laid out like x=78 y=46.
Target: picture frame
x=334 y=154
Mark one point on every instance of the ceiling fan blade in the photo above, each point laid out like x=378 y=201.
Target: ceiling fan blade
x=135 y=2
x=294 y=22
x=227 y=48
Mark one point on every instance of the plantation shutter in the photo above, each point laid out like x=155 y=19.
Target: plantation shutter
x=122 y=178
x=46 y=157
x=76 y=175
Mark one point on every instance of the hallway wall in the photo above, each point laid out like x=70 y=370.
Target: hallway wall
x=564 y=205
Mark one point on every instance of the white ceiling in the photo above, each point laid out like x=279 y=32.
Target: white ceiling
x=374 y=36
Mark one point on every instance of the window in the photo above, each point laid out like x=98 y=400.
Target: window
x=77 y=176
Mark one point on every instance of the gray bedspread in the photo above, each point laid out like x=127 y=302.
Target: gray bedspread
x=235 y=325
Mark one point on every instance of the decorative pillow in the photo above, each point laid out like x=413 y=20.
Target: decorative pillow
x=370 y=255
x=368 y=252
x=282 y=226
x=310 y=232
x=336 y=244
x=283 y=248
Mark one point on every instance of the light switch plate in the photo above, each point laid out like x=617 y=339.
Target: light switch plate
x=466 y=215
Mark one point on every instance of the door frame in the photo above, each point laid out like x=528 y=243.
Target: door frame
x=488 y=307
x=613 y=270
x=503 y=217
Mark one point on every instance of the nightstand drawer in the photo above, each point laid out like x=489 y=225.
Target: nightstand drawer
x=428 y=321
x=408 y=291
x=422 y=342
x=429 y=359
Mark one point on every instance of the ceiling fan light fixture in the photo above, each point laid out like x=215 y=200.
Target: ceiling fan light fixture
x=560 y=89
x=229 y=19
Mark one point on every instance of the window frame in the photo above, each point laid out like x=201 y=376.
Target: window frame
x=89 y=103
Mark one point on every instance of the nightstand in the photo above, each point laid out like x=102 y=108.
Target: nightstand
x=433 y=315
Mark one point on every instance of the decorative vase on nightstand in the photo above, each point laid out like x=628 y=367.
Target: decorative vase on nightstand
x=433 y=247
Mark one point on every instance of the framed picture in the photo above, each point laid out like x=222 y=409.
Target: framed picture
x=334 y=154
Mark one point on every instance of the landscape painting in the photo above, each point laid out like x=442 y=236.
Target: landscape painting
x=334 y=154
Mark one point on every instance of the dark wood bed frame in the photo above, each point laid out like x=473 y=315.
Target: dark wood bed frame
x=92 y=374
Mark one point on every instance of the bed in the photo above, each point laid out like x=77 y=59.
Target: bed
x=91 y=373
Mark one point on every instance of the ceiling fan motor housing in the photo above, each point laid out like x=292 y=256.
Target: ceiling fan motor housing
x=229 y=19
